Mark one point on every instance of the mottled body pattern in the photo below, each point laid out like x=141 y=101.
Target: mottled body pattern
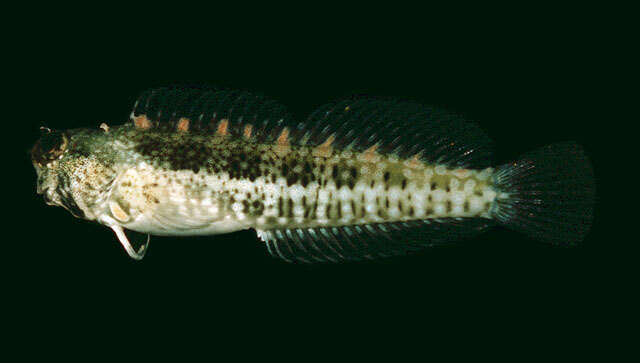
x=209 y=179
x=190 y=177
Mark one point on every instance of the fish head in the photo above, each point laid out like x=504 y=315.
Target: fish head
x=68 y=173
x=46 y=156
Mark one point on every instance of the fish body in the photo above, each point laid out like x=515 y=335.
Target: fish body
x=358 y=179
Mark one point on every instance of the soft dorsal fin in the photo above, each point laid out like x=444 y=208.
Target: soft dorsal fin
x=367 y=241
x=404 y=129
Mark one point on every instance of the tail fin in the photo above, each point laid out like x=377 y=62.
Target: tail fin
x=547 y=194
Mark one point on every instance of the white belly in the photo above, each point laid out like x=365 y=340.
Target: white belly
x=163 y=227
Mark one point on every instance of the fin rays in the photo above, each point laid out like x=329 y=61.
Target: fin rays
x=375 y=127
x=124 y=241
x=368 y=241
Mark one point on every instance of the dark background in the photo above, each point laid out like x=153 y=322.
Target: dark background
x=528 y=82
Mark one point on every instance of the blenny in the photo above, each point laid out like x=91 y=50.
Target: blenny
x=358 y=179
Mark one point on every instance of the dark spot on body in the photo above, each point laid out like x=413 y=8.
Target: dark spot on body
x=292 y=179
x=304 y=180
x=351 y=183
x=289 y=208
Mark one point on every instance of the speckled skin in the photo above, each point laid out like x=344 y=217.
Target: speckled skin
x=167 y=182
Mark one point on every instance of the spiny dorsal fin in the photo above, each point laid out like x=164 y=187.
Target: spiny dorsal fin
x=367 y=241
x=226 y=113
x=375 y=127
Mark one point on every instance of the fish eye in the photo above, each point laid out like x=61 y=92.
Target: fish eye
x=49 y=147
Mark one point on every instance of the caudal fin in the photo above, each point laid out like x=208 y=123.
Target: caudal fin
x=547 y=194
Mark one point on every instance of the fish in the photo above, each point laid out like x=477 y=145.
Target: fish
x=360 y=178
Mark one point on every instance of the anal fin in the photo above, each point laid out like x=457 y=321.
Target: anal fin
x=367 y=241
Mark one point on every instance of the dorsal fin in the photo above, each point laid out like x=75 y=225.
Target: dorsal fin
x=367 y=241
x=210 y=111
x=406 y=130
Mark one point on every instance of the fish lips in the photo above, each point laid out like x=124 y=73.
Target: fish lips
x=66 y=198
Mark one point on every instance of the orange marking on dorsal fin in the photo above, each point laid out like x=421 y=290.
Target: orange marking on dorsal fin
x=283 y=139
x=415 y=161
x=142 y=122
x=461 y=173
x=282 y=143
x=247 y=131
x=223 y=125
x=183 y=125
x=370 y=154
x=325 y=149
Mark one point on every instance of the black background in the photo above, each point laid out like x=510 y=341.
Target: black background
x=528 y=82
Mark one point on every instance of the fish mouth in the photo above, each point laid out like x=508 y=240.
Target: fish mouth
x=72 y=207
x=47 y=198
x=66 y=199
